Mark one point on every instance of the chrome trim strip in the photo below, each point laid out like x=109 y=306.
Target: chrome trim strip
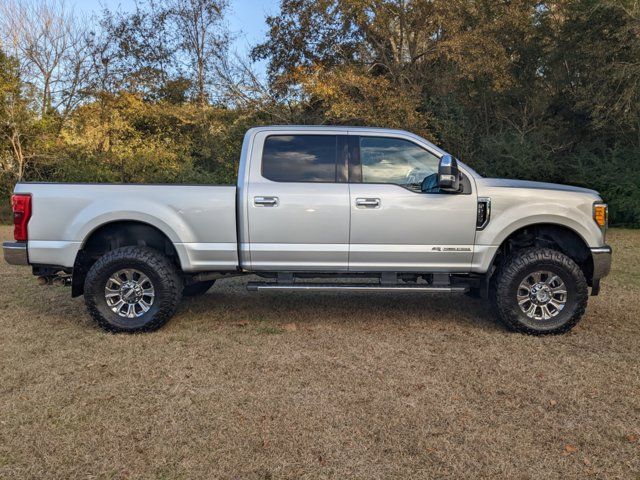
x=328 y=287
x=15 y=253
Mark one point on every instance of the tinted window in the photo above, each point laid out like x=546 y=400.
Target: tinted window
x=392 y=160
x=300 y=158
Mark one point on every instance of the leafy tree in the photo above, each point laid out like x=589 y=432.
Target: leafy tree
x=134 y=51
x=52 y=51
x=162 y=49
x=595 y=67
x=546 y=90
x=15 y=121
x=348 y=95
x=201 y=38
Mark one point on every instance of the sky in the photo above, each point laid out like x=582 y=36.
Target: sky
x=245 y=18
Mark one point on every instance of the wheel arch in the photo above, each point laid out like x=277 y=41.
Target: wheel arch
x=115 y=234
x=547 y=234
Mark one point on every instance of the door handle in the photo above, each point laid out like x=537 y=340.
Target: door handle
x=368 y=202
x=265 y=201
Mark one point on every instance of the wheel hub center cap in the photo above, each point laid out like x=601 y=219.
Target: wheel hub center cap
x=131 y=292
x=540 y=294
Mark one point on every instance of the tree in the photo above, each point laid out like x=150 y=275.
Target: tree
x=348 y=95
x=134 y=51
x=161 y=48
x=595 y=69
x=201 y=38
x=541 y=89
x=51 y=47
x=15 y=119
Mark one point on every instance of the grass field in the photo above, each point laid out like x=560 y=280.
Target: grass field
x=268 y=386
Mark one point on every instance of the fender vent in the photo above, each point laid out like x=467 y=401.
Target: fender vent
x=484 y=212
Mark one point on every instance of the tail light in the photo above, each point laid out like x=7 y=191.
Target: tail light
x=21 y=204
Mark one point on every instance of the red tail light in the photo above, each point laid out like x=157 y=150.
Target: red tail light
x=21 y=204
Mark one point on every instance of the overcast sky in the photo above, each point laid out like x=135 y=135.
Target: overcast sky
x=245 y=18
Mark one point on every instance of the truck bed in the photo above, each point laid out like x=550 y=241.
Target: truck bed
x=200 y=220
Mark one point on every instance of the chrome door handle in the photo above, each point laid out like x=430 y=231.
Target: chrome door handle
x=265 y=201
x=368 y=202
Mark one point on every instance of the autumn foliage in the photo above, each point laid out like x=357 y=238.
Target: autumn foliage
x=524 y=88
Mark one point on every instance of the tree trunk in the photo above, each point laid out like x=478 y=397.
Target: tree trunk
x=16 y=145
x=201 y=86
x=46 y=96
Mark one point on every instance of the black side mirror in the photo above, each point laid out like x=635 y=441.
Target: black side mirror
x=448 y=174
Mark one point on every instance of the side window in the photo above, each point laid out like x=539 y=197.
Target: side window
x=397 y=161
x=300 y=158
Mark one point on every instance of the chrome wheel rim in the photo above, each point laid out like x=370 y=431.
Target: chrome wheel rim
x=542 y=295
x=129 y=293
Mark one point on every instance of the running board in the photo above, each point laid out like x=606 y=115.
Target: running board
x=351 y=287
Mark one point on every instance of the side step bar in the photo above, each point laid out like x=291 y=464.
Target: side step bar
x=351 y=287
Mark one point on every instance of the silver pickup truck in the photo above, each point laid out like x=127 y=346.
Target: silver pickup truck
x=322 y=209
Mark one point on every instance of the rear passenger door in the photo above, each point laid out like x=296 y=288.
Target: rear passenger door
x=298 y=202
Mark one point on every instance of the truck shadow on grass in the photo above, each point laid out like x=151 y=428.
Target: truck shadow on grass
x=230 y=303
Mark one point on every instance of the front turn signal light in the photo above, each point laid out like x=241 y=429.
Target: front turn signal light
x=601 y=214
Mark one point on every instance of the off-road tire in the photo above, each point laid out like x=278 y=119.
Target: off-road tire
x=504 y=286
x=160 y=271
x=197 y=288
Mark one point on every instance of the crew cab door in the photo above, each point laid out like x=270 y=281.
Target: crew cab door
x=395 y=225
x=298 y=202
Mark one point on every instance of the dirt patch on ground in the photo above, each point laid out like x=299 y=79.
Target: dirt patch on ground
x=266 y=386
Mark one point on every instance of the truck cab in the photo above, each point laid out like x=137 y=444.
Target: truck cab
x=351 y=200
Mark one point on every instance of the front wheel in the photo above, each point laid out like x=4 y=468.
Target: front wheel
x=132 y=289
x=539 y=291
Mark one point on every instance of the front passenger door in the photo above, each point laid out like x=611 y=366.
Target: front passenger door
x=395 y=224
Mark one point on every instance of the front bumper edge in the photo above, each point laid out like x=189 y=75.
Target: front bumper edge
x=601 y=266
x=601 y=261
x=15 y=253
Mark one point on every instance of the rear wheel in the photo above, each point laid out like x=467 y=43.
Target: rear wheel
x=132 y=289
x=539 y=291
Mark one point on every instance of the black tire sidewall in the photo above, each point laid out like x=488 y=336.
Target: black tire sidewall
x=165 y=299
x=555 y=322
x=515 y=269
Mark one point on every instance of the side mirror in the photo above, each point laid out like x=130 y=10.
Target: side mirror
x=448 y=174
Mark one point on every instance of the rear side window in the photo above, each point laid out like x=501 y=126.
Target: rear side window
x=300 y=158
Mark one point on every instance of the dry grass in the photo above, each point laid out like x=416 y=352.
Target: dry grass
x=301 y=385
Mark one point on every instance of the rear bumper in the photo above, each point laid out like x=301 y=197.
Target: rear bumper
x=15 y=253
